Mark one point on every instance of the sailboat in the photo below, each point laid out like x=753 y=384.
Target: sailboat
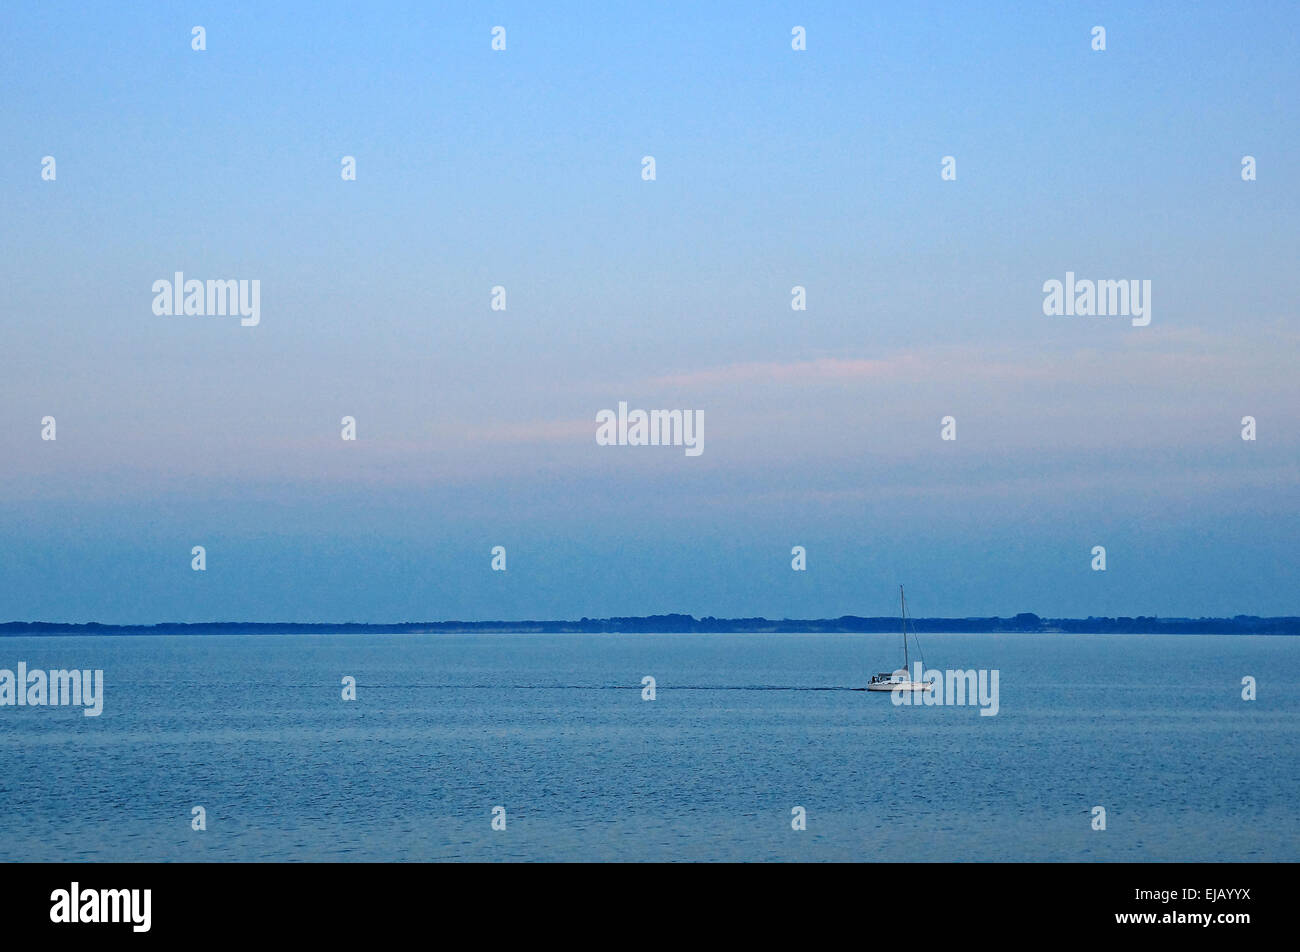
x=900 y=680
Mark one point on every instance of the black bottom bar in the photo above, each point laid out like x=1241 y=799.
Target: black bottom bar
x=884 y=901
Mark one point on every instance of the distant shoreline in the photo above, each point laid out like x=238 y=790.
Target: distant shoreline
x=1025 y=623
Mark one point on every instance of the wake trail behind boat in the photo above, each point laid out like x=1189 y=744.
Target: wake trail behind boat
x=607 y=687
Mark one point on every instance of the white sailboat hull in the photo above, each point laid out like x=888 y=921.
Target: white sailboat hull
x=900 y=686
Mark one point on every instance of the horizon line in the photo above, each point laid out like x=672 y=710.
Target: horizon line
x=671 y=623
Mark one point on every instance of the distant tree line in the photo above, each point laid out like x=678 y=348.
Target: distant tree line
x=676 y=623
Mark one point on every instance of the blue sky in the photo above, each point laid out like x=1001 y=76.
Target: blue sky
x=521 y=168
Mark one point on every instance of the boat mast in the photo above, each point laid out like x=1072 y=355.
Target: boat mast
x=902 y=603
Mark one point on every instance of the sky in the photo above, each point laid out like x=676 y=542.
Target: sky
x=522 y=168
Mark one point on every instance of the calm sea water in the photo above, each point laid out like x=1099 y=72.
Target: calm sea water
x=554 y=728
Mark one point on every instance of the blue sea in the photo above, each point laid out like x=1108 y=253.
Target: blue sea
x=743 y=729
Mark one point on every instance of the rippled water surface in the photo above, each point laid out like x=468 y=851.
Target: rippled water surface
x=744 y=727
